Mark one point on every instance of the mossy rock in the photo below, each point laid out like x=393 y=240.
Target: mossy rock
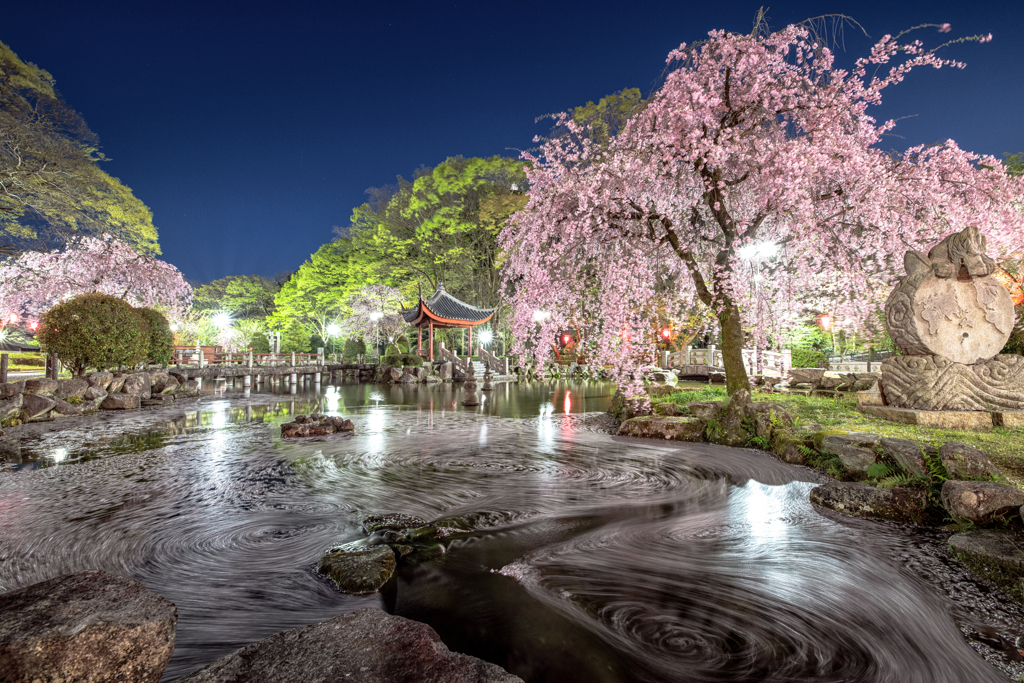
x=358 y=570
x=819 y=437
x=994 y=555
x=666 y=428
x=789 y=447
x=392 y=521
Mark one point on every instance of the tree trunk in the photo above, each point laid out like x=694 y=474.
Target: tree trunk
x=732 y=347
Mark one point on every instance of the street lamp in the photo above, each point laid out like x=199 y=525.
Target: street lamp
x=222 y=320
x=333 y=330
x=375 y=317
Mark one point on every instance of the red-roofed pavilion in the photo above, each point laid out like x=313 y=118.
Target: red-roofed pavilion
x=442 y=310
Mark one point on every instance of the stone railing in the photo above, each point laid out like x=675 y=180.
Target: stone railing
x=450 y=357
x=498 y=366
x=774 y=361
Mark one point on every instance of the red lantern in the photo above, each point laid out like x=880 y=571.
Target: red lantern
x=665 y=333
x=826 y=321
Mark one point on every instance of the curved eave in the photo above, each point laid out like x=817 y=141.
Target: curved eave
x=426 y=315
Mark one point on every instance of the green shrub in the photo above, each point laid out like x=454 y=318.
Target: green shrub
x=31 y=360
x=411 y=360
x=354 y=347
x=93 y=330
x=392 y=354
x=809 y=358
x=159 y=349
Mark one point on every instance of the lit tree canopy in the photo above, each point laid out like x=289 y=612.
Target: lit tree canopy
x=753 y=140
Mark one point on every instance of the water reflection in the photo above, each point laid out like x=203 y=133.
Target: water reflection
x=573 y=555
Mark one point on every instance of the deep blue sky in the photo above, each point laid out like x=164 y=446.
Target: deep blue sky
x=251 y=128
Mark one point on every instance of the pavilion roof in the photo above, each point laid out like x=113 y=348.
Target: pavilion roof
x=446 y=311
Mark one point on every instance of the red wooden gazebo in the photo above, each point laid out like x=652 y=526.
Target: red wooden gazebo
x=442 y=310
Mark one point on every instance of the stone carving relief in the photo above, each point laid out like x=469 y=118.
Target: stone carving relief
x=949 y=304
x=951 y=318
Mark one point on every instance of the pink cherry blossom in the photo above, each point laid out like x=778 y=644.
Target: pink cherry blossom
x=752 y=140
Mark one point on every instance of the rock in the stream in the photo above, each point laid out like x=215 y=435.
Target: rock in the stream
x=121 y=402
x=91 y=626
x=669 y=428
x=994 y=554
x=393 y=521
x=982 y=502
x=864 y=500
x=316 y=425
x=358 y=568
x=364 y=646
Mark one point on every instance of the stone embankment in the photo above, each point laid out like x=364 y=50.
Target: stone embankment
x=893 y=479
x=97 y=627
x=36 y=400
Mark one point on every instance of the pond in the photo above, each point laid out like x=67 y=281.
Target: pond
x=581 y=556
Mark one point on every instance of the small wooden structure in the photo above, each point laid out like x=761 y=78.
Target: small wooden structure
x=442 y=310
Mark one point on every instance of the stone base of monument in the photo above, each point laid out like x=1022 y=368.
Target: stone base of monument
x=934 y=383
x=966 y=420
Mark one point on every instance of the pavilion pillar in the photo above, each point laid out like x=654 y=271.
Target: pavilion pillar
x=469 y=345
x=419 y=340
x=430 y=339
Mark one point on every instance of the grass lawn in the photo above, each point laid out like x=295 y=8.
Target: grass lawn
x=1004 y=446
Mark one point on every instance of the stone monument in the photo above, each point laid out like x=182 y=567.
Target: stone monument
x=487 y=380
x=951 y=317
x=470 y=386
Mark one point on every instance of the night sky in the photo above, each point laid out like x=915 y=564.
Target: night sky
x=252 y=128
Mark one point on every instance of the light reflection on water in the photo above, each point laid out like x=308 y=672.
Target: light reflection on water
x=582 y=557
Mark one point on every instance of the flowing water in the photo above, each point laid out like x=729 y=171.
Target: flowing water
x=579 y=557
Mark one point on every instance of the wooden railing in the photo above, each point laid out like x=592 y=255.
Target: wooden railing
x=462 y=365
x=497 y=365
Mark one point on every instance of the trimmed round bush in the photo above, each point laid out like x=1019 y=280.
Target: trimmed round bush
x=160 y=348
x=411 y=360
x=93 y=330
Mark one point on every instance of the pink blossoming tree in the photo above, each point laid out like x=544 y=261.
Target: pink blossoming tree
x=755 y=144
x=35 y=281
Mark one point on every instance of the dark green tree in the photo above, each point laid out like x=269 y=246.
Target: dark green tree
x=160 y=346
x=93 y=330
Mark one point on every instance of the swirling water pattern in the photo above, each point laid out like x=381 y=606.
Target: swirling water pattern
x=572 y=555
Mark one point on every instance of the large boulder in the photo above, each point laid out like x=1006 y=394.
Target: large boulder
x=909 y=454
x=982 y=502
x=806 y=375
x=864 y=500
x=965 y=462
x=99 y=379
x=116 y=383
x=94 y=392
x=705 y=411
x=121 y=402
x=42 y=387
x=71 y=388
x=856 y=451
x=444 y=371
x=790 y=447
x=994 y=554
x=11 y=389
x=138 y=384
x=768 y=417
x=11 y=408
x=668 y=428
x=35 y=406
x=393 y=375
x=164 y=385
x=364 y=646
x=65 y=409
x=357 y=568
x=733 y=429
x=90 y=626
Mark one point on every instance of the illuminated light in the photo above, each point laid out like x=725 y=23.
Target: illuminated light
x=222 y=320
x=486 y=337
x=566 y=338
x=1016 y=289
x=826 y=321
x=34 y=325
x=541 y=316
x=12 y=318
x=567 y=408
x=666 y=332
x=333 y=330
x=758 y=251
x=174 y=327
x=376 y=315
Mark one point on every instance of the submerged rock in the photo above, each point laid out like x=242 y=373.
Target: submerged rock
x=864 y=500
x=358 y=568
x=392 y=521
x=364 y=646
x=90 y=626
x=316 y=425
x=993 y=555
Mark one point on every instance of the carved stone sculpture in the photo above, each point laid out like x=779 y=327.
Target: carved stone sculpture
x=951 y=317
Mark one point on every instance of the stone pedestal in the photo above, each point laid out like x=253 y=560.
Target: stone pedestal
x=487 y=380
x=470 y=388
x=936 y=383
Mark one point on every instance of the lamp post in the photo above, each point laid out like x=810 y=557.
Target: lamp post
x=755 y=253
x=375 y=317
x=333 y=331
